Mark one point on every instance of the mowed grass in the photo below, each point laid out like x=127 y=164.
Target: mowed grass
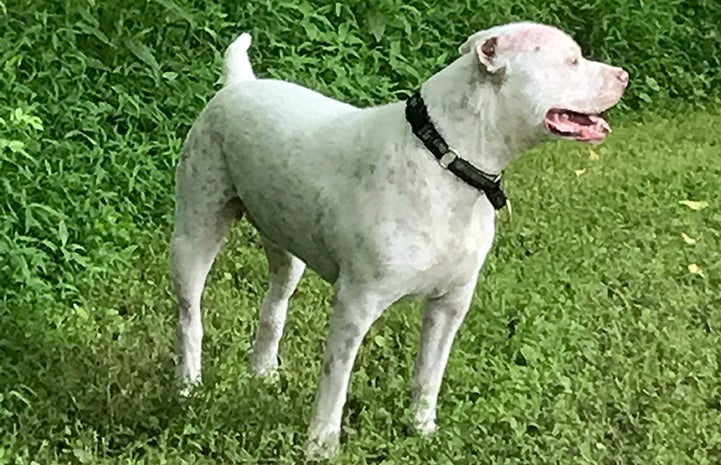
x=593 y=337
x=590 y=340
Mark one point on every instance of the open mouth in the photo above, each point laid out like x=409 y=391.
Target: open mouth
x=583 y=127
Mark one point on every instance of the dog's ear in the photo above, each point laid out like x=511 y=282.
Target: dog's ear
x=486 y=51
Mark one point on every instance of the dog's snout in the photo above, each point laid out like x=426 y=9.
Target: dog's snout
x=622 y=75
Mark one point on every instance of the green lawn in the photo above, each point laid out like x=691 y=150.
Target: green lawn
x=593 y=338
x=595 y=334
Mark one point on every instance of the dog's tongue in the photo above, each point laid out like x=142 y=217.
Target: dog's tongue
x=598 y=129
x=579 y=126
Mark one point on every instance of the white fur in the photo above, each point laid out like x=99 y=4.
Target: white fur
x=237 y=63
x=354 y=194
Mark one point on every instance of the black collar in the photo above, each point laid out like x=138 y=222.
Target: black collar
x=422 y=127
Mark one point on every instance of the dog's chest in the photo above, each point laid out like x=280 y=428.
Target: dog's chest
x=441 y=246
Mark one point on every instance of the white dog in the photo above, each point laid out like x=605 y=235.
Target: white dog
x=384 y=202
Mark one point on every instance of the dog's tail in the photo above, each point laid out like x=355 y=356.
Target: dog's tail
x=237 y=63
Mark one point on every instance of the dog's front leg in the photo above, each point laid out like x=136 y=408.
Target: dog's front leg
x=441 y=319
x=353 y=314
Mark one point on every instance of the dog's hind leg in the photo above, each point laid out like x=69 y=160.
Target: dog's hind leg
x=206 y=206
x=285 y=271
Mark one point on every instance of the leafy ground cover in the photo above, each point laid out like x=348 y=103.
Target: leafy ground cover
x=594 y=334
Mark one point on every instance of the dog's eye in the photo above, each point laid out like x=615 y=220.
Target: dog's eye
x=573 y=61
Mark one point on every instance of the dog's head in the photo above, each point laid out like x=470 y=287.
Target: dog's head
x=543 y=78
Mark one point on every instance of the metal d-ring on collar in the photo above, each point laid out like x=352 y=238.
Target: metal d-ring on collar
x=422 y=126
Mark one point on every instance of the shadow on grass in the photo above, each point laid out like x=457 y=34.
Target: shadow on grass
x=117 y=395
x=63 y=388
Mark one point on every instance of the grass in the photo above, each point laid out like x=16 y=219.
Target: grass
x=594 y=336
x=589 y=340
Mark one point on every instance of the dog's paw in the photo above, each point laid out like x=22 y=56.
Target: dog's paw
x=424 y=418
x=188 y=386
x=426 y=428
x=268 y=377
x=322 y=447
x=264 y=369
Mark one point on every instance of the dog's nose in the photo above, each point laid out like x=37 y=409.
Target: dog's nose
x=622 y=75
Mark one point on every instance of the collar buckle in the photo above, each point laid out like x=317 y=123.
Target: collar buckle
x=448 y=158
